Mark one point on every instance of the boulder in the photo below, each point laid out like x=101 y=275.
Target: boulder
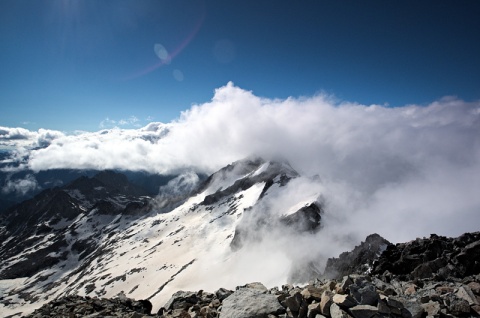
x=223 y=293
x=181 y=300
x=311 y=293
x=431 y=308
x=364 y=293
x=344 y=301
x=326 y=302
x=363 y=311
x=465 y=293
x=255 y=285
x=294 y=302
x=313 y=310
x=337 y=312
x=250 y=303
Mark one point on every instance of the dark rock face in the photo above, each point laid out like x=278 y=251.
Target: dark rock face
x=359 y=261
x=307 y=219
x=436 y=257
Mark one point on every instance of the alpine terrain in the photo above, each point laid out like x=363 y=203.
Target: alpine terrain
x=102 y=236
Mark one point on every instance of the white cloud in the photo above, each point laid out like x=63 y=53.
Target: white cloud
x=20 y=137
x=384 y=166
x=132 y=121
x=20 y=186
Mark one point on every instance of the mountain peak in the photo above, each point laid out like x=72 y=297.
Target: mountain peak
x=243 y=174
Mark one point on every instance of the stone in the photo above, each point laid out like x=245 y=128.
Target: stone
x=255 y=285
x=432 y=308
x=250 y=303
x=181 y=300
x=206 y=311
x=337 y=312
x=476 y=308
x=364 y=293
x=287 y=287
x=294 y=302
x=411 y=289
x=444 y=290
x=344 y=301
x=313 y=310
x=180 y=313
x=464 y=292
x=215 y=303
x=345 y=283
x=395 y=303
x=415 y=308
x=474 y=287
x=223 y=293
x=383 y=308
x=326 y=302
x=363 y=311
x=459 y=307
x=311 y=293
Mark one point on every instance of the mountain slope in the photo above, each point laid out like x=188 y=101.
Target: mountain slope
x=104 y=250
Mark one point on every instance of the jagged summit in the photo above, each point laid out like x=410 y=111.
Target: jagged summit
x=243 y=174
x=358 y=261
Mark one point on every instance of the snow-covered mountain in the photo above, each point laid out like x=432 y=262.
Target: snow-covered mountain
x=102 y=236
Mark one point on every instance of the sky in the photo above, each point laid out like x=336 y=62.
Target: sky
x=378 y=100
x=88 y=65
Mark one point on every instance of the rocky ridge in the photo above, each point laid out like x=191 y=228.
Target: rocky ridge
x=398 y=291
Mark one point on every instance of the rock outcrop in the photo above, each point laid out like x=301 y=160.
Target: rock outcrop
x=436 y=257
x=359 y=261
x=386 y=290
x=77 y=306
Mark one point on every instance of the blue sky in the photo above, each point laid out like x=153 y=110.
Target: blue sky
x=84 y=65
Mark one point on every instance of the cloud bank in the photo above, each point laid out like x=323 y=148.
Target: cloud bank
x=378 y=165
x=20 y=186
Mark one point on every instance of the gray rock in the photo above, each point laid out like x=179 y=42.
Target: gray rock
x=344 y=301
x=294 y=302
x=181 y=300
x=383 y=308
x=464 y=292
x=345 y=284
x=363 y=311
x=311 y=293
x=223 y=293
x=459 y=307
x=250 y=303
x=255 y=285
x=364 y=293
x=337 y=312
x=313 y=310
x=326 y=302
x=432 y=308
x=414 y=307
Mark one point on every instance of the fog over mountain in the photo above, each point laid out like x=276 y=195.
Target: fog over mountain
x=377 y=167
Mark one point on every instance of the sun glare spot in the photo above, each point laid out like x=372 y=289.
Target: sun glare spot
x=162 y=53
x=178 y=75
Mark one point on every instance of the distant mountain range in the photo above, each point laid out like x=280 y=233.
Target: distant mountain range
x=17 y=186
